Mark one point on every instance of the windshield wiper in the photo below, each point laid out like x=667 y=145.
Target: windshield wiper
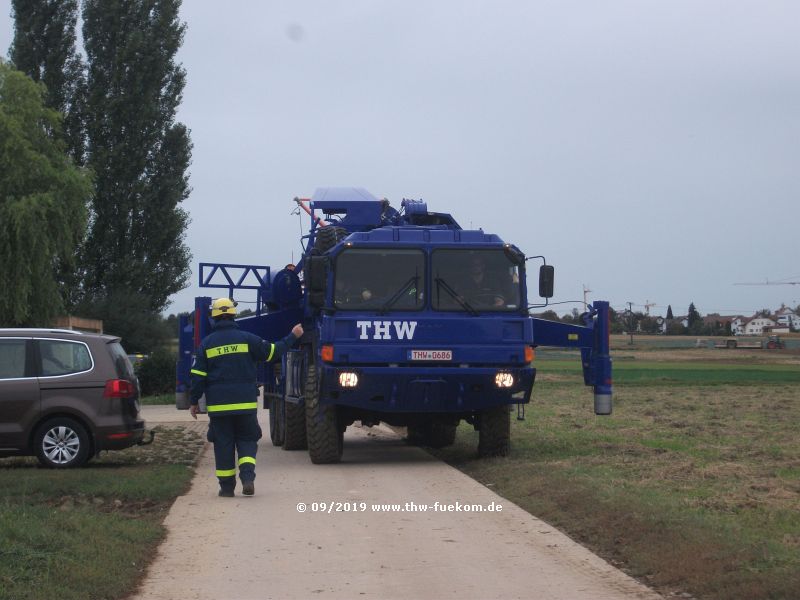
x=464 y=304
x=399 y=294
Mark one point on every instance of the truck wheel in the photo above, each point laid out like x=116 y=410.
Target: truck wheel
x=325 y=439
x=442 y=435
x=295 y=427
x=62 y=443
x=276 y=409
x=435 y=435
x=416 y=434
x=495 y=432
x=327 y=237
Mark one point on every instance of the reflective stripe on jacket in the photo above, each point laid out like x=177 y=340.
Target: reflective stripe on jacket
x=224 y=368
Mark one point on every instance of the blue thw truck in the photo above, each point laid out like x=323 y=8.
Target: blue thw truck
x=410 y=320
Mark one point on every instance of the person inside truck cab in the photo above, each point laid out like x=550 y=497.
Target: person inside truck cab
x=348 y=292
x=480 y=287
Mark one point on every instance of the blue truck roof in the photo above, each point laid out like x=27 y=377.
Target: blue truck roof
x=425 y=235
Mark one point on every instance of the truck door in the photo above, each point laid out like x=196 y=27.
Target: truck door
x=19 y=392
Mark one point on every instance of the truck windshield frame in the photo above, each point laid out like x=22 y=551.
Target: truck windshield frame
x=380 y=279
x=473 y=279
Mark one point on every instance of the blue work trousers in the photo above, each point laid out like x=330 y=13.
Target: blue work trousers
x=232 y=435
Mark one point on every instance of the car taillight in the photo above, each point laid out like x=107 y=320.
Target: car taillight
x=119 y=388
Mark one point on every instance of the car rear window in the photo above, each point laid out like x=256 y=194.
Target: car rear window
x=62 y=357
x=121 y=362
x=12 y=359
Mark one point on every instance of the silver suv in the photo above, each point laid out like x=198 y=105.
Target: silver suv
x=65 y=396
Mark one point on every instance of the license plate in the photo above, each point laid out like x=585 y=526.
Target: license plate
x=430 y=355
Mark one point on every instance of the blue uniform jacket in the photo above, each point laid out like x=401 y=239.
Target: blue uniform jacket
x=224 y=368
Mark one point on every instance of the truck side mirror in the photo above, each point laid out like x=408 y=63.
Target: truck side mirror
x=316 y=279
x=546 y=277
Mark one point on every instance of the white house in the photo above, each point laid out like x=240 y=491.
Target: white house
x=756 y=325
x=786 y=317
x=738 y=325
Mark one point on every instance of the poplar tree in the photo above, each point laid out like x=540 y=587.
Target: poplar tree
x=135 y=250
x=42 y=203
x=44 y=49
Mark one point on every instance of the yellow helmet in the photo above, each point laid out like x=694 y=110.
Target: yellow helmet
x=223 y=306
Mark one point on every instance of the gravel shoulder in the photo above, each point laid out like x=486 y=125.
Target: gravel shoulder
x=263 y=547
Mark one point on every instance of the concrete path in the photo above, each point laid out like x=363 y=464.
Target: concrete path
x=265 y=547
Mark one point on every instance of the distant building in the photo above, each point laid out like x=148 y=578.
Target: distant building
x=78 y=324
x=786 y=317
x=756 y=325
x=720 y=324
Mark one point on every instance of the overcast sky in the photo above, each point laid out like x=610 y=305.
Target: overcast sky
x=650 y=149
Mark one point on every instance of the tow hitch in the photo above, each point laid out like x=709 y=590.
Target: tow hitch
x=144 y=442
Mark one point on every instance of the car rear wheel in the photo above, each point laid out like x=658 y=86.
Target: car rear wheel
x=62 y=443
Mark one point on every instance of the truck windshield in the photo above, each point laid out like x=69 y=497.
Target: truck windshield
x=379 y=279
x=474 y=280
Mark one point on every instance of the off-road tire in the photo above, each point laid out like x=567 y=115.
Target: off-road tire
x=442 y=435
x=325 y=438
x=76 y=449
x=276 y=410
x=276 y=420
x=435 y=435
x=495 y=432
x=294 y=430
x=327 y=237
x=416 y=434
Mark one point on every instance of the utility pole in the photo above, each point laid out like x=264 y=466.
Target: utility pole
x=630 y=322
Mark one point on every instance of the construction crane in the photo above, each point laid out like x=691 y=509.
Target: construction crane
x=647 y=306
x=768 y=282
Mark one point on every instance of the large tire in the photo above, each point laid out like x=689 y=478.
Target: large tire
x=327 y=237
x=276 y=433
x=276 y=410
x=325 y=438
x=495 y=432
x=62 y=443
x=294 y=427
x=442 y=435
x=433 y=434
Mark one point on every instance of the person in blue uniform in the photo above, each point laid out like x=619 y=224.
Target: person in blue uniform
x=224 y=369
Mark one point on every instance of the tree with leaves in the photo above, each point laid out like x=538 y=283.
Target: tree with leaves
x=42 y=203
x=136 y=243
x=44 y=48
x=694 y=320
x=670 y=316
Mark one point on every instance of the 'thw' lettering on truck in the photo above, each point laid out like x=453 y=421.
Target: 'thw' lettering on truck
x=410 y=320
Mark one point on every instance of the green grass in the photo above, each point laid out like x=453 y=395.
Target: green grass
x=694 y=373
x=90 y=532
x=688 y=487
x=159 y=399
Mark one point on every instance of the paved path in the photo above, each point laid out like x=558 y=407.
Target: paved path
x=262 y=547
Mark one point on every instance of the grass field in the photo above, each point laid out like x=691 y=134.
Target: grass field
x=693 y=485
x=88 y=533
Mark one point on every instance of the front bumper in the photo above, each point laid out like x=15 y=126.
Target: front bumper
x=444 y=389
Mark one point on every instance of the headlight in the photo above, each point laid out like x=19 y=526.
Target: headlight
x=502 y=380
x=348 y=379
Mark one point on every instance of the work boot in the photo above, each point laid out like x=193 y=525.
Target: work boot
x=248 y=488
x=226 y=493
